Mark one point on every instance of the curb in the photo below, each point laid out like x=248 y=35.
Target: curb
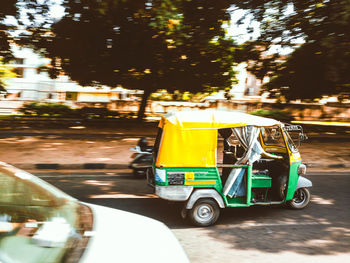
x=111 y=166
x=334 y=165
x=74 y=166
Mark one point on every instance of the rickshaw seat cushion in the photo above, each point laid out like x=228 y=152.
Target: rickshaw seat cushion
x=261 y=172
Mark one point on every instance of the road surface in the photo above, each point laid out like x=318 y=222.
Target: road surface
x=319 y=233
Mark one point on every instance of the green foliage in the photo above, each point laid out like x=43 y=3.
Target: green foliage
x=26 y=14
x=280 y=115
x=5 y=73
x=60 y=110
x=161 y=96
x=175 y=96
x=140 y=44
x=50 y=109
x=8 y=7
x=306 y=74
x=93 y=112
x=187 y=96
x=321 y=65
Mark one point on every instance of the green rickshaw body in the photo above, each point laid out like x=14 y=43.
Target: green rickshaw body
x=209 y=178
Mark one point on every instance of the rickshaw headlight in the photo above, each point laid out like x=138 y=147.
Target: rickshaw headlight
x=302 y=169
x=160 y=175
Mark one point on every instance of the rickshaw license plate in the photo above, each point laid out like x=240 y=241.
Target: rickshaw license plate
x=176 y=178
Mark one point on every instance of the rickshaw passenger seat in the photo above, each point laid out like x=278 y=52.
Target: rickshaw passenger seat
x=261 y=179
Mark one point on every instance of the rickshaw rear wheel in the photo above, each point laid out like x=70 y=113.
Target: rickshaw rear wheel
x=205 y=212
x=301 y=199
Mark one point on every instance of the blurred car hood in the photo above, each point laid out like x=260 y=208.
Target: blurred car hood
x=120 y=236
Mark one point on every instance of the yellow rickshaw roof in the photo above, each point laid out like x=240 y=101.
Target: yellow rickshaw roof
x=214 y=119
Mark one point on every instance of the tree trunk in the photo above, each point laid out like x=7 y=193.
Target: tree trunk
x=141 y=113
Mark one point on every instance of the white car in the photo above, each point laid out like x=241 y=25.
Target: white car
x=39 y=223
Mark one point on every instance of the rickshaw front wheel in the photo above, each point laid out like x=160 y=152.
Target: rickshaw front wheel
x=301 y=199
x=205 y=212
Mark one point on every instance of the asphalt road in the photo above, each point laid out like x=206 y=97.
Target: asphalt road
x=319 y=233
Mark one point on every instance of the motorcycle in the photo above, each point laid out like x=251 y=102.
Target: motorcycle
x=142 y=158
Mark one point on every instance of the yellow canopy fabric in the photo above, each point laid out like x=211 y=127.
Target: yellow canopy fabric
x=190 y=137
x=206 y=119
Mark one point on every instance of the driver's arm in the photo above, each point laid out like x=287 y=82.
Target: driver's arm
x=272 y=156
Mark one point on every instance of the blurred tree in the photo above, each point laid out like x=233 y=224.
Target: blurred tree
x=8 y=8
x=140 y=44
x=16 y=15
x=320 y=64
x=5 y=73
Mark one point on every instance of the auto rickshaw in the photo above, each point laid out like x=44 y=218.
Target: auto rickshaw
x=216 y=159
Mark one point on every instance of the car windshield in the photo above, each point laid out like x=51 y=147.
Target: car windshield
x=37 y=221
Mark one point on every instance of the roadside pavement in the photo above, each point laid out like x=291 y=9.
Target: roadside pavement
x=105 y=149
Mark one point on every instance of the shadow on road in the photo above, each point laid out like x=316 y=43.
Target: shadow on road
x=124 y=193
x=323 y=228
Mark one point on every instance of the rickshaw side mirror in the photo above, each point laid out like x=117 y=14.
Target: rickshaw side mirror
x=302 y=137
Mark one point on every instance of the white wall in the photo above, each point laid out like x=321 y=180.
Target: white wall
x=34 y=86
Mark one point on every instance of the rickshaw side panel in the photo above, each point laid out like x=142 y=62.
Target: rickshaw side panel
x=199 y=179
x=189 y=176
x=293 y=179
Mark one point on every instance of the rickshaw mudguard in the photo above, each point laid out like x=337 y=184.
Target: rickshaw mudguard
x=293 y=179
x=174 y=193
x=303 y=183
x=205 y=193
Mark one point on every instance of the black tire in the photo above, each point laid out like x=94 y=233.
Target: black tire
x=301 y=199
x=205 y=212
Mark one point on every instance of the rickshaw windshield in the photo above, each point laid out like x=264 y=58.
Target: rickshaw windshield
x=290 y=142
x=272 y=136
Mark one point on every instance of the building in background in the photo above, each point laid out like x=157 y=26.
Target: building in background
x=34 y=84
x=30 y=83
x=247 y=86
